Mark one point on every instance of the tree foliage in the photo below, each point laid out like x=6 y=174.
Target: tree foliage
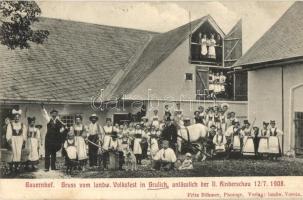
x=16 y=19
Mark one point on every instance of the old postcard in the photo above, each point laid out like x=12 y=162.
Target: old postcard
x=151 y=100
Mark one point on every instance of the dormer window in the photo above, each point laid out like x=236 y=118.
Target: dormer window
x=206 y=45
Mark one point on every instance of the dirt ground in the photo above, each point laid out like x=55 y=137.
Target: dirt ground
x=208 y=168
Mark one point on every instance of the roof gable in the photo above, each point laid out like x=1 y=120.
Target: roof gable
x=282 y=41
x=158 y=49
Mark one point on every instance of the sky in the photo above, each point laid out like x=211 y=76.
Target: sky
x=257 y=16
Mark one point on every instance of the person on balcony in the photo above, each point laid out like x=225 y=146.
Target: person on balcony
x=211 y=48
x=204 y=50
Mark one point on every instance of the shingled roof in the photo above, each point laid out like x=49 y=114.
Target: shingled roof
x=76 y=61
x=158 y=49
x=282 y=41
x=79 y=59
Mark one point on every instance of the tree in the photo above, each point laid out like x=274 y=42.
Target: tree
x=16 y=19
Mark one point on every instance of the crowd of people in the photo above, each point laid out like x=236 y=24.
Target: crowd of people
x=153 y=138
x=217 y=82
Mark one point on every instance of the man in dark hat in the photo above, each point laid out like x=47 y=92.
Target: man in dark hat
x=94 y=135
x=55 y=135
x=170 y=133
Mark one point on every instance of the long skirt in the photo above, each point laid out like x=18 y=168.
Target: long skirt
x=71 y=152
x=137 y=146
x=17 y=142
x=236 y=143
x=81 y=148
x=273 y=145
x=217 y=88
x=211 y=52
x=263 y=145
x=154 y=147
x=220 y=148
x=249 y=147
x=211 y=86
x=106 y=141
x=32 y=146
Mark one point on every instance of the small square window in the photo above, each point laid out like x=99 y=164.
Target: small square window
x=188 y=76
x=67 y=119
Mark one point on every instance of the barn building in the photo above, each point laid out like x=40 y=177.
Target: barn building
x=275 y=82
x=112 y=71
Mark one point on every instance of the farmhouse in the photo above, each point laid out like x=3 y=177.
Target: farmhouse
x=275 y=83
x=112 y=71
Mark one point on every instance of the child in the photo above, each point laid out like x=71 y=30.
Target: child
x=71 y=152
x=33 y=143
x=219 y=141
x=187 y=163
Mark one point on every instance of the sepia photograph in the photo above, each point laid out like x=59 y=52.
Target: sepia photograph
x=151 y=89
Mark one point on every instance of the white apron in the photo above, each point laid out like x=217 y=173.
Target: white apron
x=71 y=149
x=137 y=144
x=236 y=142
x=17 y=138
x=107 y=137
x=273 y=145
x=80 y=142
x=32 y=143
x=204 y=47
x=263 y=145
x=248 y=147
x=211 y=49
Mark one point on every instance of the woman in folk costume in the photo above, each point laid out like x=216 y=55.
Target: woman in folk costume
x=79 y=131
x=233 y=136
x=211 y=81
x=108 y=130
x=217 y=86
x=94 y=132
x=219 y=141
x=16 y=137
x=202 y=114
x=198 y=119
x=144 y=123
x=217 y=116
x=155 y=119
x=178 y=113
x=71 y=152
x=153 y=141
x=137 y=143
x=33 y=142
x=231 y=118
x=263 y=142
x=273 y=140
x=223 y=119
x=210 y=118
x=204 y=50
x=222 y=80
x=248 y=140
x=211 y=48
x=167 y=112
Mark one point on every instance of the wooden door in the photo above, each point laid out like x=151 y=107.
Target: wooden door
x=299 y=133
x=201 y=83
